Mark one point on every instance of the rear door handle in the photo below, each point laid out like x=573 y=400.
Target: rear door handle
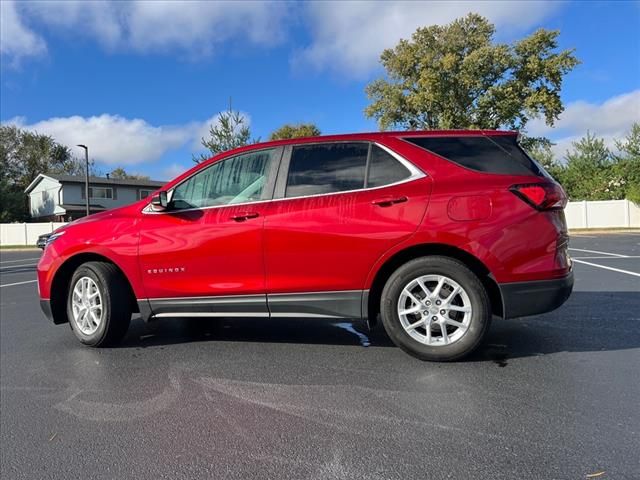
x=388 y=201
x=241 y=217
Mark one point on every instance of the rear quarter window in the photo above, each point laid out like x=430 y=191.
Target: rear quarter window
x=384 y=169
x=491 y=154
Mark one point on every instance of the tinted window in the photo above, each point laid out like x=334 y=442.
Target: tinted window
x=235 y=180
x=327 y=168
x=495 y=154
x=384 y=169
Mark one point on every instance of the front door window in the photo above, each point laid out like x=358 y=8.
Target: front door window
x=235 y=180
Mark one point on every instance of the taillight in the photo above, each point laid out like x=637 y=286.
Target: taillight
x=541 y=196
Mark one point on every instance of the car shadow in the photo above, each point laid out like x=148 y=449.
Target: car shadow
x=589 y=321
x=168 y=331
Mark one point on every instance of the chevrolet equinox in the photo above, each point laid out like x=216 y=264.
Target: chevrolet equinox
x=431 y=232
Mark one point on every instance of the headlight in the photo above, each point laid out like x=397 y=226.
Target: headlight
x=51 y=238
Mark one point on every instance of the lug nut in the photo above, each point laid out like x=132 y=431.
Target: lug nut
x=434 y=318
x=442 y=312
x=438 y=302
x=427 y=302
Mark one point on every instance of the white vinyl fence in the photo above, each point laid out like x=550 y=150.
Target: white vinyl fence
x=596 y=214
x=25 y=233
x=603 y=214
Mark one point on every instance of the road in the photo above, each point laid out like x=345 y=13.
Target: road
x=552 y=396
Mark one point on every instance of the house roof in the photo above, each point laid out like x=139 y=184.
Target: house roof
x=71 y=207
x=152 y=184
x=106 y=181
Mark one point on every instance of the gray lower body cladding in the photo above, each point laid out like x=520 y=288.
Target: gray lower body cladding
x=340 y=304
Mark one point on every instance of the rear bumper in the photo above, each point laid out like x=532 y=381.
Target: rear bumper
x=522 y=299
x=45 y=305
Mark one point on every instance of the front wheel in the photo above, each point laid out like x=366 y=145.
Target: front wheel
x=98 y=304
x=435 y=308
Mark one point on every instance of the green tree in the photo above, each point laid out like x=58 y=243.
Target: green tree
x=231 y=130
x=121 y=174
x=24 y=155
x=456 y=76
x=295 y=131
x=12 y=203
x=544 y=155
x=586 y=170
x=627 y=163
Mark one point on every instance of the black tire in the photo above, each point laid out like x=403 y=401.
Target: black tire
x=480 y=317
x=116 y=304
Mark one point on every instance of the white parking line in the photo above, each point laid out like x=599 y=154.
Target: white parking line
x=21 y=260
x=608 y=268
x=2 y=269
x=605 y=258
x=17 y=283
x=596 y=251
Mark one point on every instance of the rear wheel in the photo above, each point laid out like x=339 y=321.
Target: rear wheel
x=435 y=308
x=98 y=304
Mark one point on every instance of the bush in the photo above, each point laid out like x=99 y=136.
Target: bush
x=633 y=193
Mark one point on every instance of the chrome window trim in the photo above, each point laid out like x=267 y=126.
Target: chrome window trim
x=416 y=174
x=148 y=209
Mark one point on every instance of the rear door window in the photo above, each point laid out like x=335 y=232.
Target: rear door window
x=326 y=168
x=491 y=154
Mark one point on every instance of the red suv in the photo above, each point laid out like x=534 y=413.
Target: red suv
x=433 y=232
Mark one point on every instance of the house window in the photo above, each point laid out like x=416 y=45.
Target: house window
x=100 y=192
x=144 y=193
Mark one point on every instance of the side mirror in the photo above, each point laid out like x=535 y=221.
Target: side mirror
x=159 y=201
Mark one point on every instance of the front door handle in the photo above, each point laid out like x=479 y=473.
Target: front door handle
x=388 y=201
x=241 y=217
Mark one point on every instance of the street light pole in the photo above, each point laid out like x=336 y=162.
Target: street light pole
x=86 y=181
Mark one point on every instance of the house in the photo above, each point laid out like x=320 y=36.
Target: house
x=54 y=197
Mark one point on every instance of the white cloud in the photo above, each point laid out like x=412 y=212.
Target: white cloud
x=112 y=139
x=348 y=37
x=97 y=18
x=199 y=26
x=611 y=120
x=115 y=140
x=195 y=27
x=16 y=39
x=173 y=170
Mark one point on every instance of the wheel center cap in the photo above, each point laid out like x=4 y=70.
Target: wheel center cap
x=433 y=310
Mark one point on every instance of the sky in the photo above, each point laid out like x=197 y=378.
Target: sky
x=140 y=82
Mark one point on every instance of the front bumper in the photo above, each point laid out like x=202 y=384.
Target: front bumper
x=522 y=299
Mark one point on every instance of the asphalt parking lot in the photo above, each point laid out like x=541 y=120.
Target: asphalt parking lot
x=555 y=396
